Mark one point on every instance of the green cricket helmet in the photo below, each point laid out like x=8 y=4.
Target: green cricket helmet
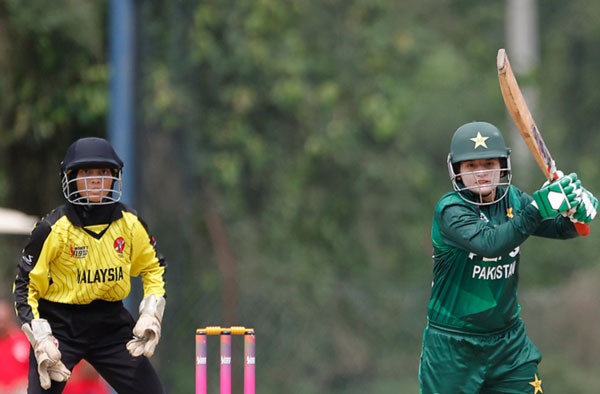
x=473 y=141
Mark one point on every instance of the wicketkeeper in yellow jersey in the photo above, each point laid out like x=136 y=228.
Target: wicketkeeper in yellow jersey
x=74 y=273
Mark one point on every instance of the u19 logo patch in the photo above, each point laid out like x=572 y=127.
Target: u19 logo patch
x=79 y=252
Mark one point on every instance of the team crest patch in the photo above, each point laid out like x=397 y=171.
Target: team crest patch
x=79 y=252
x=479 y=141
x=537 y=385
x=119 y=245
x=509 y=213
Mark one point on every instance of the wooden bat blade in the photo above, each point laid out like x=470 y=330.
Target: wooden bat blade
x=519 y=111
x=517 y=107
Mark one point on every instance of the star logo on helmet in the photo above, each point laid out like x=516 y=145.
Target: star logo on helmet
x=479 y=141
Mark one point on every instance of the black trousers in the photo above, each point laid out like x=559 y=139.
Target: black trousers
x=98 y=333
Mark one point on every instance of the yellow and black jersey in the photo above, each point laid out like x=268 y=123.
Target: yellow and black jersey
x=70 y=263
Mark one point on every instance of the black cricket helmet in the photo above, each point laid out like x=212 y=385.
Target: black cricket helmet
x=91 y=152
x=478 y=140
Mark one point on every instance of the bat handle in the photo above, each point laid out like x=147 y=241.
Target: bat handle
x=582 y=228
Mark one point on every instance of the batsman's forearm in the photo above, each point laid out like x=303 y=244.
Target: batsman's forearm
x=558 y=227
x=474 y=235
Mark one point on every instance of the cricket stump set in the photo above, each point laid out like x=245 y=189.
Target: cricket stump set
x=225 y=334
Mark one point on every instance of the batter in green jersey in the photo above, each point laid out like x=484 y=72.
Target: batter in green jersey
x=475 y=341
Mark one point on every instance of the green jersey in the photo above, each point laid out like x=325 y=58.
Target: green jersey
x=476 y=259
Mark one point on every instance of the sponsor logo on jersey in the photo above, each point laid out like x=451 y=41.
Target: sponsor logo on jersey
x=513 y=253
x=100 y=275
x=27 y=259
x=79 y=252
x=483 y=217
x=119 y=245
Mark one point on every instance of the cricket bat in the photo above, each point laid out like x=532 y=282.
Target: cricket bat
x=517 y=107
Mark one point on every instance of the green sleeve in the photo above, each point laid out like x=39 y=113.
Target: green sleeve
x=462 y=225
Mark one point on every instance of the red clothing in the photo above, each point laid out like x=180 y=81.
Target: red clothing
x=14 y=362
x=93 y=386
x=14 y=359
x=85 y=380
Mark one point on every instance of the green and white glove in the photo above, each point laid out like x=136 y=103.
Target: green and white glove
x=146 y=332
x=587 y=208
x=45 y=348
x=558 y=196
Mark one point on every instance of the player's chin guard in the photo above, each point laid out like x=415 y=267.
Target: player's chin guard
x=473 y=141
x=91 y=152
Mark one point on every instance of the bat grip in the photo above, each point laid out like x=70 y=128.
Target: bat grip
x=582 y=228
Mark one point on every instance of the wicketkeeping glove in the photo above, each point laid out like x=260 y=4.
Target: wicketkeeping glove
x=558 y=196
x=146 y=332
x=587 y=208
x=45 y=347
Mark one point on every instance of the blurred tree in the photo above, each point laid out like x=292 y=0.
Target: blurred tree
x=52 y=90
x=292 y=154
x=316 y=132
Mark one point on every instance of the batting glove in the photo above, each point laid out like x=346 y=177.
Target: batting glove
x=45 y=348
x=146 y=332
x=558 y=196
x=587 y=208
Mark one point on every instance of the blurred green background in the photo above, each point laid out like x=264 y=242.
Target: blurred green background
x=289 y=156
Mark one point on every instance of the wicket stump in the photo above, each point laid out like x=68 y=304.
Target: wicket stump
x=249 y=357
